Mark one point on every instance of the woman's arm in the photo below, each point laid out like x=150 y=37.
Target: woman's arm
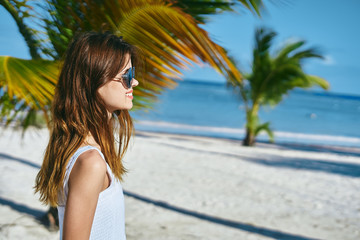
x=85 y=184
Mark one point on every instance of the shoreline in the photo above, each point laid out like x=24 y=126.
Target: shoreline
x=239 y=133
x=351 y=150
x=290 y=139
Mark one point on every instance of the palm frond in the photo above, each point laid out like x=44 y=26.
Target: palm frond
x=308 y=53
x=266 y=128
x=199 y=9
x=274 y=76
x=172 y=33
x=31 y=80
x=169 y=38
x=21 y=11
x=287 y=50
x=263 y=41
x=253 y=5
x=166 y=31
x=318 y=81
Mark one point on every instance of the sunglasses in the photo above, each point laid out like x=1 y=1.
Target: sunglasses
x=127 y=77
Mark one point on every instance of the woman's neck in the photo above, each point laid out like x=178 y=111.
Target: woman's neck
x=90 y=140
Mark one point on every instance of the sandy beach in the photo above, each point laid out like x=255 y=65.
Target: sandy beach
x=187 y=187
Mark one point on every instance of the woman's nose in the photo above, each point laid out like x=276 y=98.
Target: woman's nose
x=134 y=83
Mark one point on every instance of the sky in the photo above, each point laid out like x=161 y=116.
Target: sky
x=329 y=25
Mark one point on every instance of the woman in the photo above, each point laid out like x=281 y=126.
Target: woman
x=82 y=166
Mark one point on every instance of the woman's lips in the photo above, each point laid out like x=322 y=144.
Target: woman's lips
x=129 y=94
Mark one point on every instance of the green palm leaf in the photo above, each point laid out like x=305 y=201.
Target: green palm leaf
x=253 y=5
x=31 y=80
x=318 y=81
x=167 y=32
x=274 y=76
x=169 y=38
x=266 y=128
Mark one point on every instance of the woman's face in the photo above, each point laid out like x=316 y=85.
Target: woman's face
x=114 y=93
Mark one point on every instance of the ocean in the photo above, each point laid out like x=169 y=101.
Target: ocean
x=212 y=109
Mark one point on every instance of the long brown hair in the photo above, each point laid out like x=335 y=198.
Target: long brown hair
x=91 y=60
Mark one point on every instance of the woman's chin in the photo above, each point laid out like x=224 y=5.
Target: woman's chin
x=128 y=106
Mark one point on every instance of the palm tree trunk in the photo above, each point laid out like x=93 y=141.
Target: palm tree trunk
x=249 y=139
x=251 y=124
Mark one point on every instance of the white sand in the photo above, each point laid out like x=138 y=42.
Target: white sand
x=267 y=192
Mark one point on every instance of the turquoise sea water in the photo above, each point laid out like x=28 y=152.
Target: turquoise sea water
x=211 y=109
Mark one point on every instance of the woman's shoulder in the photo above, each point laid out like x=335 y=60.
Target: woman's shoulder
x=91 y=159
x=89 y=169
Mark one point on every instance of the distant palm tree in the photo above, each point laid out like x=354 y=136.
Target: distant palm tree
x=272 y=77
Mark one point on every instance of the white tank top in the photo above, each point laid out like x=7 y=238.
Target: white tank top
x=109 y=219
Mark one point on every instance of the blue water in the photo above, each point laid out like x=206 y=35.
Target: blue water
x=212 y=109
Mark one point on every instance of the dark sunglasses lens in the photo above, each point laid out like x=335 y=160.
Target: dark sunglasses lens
x=132 y=72
x=130 y=77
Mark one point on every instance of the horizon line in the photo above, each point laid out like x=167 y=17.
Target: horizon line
x=317 y=92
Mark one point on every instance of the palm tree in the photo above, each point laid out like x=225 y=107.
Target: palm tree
x=168 y=32
x=26 y=86
x=272 y=77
